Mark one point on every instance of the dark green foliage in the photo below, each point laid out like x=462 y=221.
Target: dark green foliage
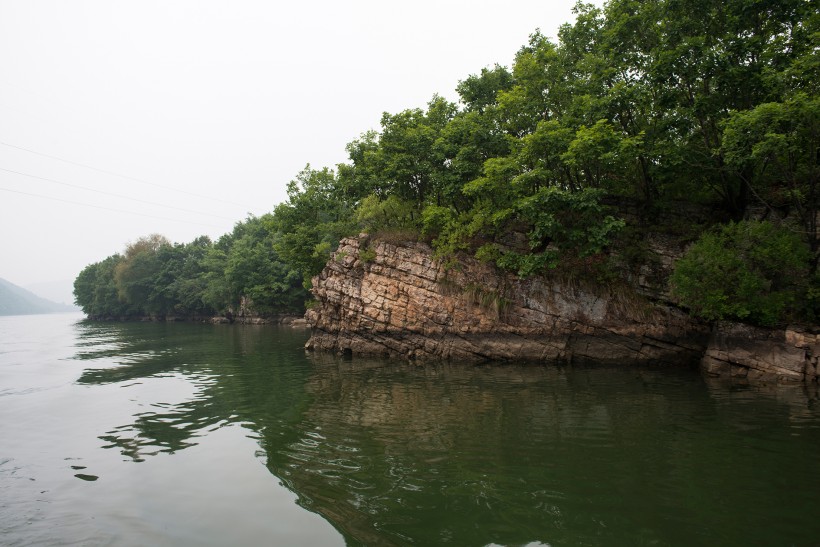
x=187 y=279
x=197 y=279
x=571 y=222
x=748 y=270
x=650 y=105
x=565 y=228
x=375 y=215
x=96 y=291
x=480 y=92
x=138 y=276
x=319 y=211
x=775 y=146
x=253 y=269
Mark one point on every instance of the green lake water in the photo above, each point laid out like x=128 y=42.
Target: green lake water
x=194 y=434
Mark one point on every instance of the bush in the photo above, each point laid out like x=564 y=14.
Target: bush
x=752 y=271
x=375 y=214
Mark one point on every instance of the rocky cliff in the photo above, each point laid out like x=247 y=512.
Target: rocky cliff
x=395 y=299
x=753 y=355
x=382 y=298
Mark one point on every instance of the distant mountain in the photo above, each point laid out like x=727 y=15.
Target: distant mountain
x=60 y=291
x=16 y=300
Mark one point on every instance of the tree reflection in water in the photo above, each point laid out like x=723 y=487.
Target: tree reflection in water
x=395 y=453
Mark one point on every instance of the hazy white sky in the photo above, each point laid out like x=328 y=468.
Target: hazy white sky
x=181 y=117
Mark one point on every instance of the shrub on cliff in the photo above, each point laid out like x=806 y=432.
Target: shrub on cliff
x=752 y=271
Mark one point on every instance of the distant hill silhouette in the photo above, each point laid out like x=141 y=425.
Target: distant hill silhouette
x=16 y=300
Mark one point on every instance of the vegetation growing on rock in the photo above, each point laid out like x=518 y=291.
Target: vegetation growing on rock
x=583 y=147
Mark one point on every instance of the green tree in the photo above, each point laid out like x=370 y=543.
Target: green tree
x=95 y=289
x=463 y=145
x=566 y=228
x=136 y=276
x=777 y=147
x=752 y=271
x=480 y=92
x=183 y=277
x=254 y=270
x=409 y=165
x=319 y=212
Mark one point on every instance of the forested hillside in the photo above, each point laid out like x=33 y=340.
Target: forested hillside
x=559 y=164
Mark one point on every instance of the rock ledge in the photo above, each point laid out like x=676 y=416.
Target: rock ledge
x=396 y=300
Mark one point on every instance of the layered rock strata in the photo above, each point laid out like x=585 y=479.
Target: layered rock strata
x=381 y=298
x=754 y=355
x=397 y=300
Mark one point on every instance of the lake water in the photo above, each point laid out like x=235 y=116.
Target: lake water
x=189 y=434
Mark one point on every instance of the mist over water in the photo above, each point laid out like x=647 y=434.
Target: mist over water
x=194 y=434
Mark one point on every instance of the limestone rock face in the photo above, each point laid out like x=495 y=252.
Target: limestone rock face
x=754 y=355
x=381 y=298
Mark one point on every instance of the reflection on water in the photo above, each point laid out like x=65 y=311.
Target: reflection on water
x=393 y=453
x=510 y=454
x=165 y=418
x=193 y=379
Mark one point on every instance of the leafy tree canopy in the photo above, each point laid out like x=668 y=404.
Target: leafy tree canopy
x=637 y=108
